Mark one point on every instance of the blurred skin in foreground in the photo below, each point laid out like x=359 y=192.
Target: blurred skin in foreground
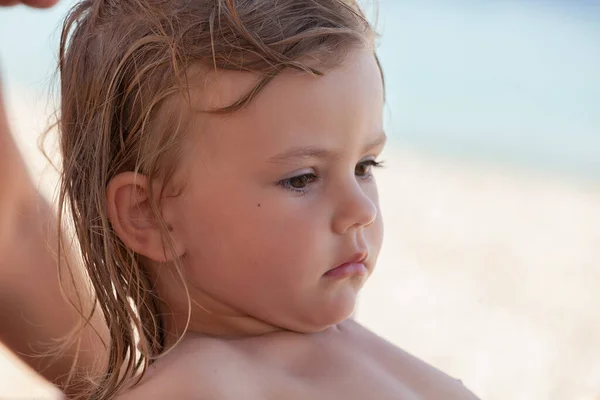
x=31 y=3
x=34 y=313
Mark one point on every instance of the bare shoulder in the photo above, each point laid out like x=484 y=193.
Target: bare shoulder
x=202 y=368
x=424 y=379
x=195 y=368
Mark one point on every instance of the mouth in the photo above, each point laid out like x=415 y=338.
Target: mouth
x=354 y=266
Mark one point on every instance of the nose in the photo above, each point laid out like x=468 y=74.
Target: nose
x=356 y=208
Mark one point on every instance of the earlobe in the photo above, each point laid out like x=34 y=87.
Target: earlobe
x=133 y=220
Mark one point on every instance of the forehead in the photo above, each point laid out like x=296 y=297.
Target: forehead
x=295 y=107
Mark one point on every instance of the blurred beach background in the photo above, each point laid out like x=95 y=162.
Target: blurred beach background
x=491 y=196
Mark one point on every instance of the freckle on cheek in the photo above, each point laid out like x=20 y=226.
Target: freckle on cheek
x=258 y=204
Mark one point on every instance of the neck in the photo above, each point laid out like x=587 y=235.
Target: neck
x=203 y=315
x=205 y=322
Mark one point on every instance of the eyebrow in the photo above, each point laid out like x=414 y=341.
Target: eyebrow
x=318 y=152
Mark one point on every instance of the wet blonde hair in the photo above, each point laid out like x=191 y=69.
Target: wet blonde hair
x=124 y=70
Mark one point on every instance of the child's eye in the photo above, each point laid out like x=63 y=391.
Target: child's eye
x=298 y=183
x=365 y=168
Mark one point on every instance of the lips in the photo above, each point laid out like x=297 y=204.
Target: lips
x=358 y=258
x=354 y=266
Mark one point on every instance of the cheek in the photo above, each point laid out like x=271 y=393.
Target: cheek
x=237 y=238
x=284 y=242
x=375 y=232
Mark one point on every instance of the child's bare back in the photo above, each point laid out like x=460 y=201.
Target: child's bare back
x=344 y=362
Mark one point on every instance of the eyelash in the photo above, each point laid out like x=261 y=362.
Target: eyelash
x=312 y=178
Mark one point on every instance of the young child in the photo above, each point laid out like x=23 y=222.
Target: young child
x=218 y=168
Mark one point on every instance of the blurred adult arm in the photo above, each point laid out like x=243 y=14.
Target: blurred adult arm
x=34 y=314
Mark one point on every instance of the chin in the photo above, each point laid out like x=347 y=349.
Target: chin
x=337 y=311
x=344 y=310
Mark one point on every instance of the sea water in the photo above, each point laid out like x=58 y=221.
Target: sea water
x=511 y=82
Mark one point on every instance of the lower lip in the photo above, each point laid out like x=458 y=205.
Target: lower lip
x=346 y=270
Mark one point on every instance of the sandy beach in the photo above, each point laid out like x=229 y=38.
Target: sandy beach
x=491 y=274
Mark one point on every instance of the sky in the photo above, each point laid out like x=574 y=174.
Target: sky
x=513 y=81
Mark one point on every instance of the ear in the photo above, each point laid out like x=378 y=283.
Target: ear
x=131 y=217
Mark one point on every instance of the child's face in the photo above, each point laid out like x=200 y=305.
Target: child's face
x=281 y=192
